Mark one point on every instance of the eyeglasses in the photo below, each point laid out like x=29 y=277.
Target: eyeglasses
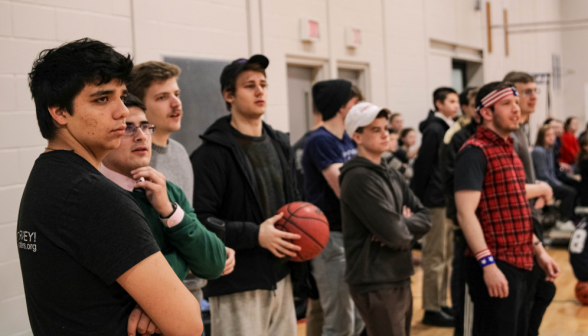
x=147 y=129
x=529 y=93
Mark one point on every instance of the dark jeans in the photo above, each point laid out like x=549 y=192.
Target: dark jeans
x=540 y=293
x=496 y=316
x=458 y=282
x=567 y=195
x=386 y=312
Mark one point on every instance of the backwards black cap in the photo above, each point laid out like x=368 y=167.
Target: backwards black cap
x=231 y=71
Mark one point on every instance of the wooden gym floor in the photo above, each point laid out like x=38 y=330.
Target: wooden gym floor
x=564 y=317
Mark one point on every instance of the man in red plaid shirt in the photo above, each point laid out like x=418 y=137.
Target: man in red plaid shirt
x=495 y=216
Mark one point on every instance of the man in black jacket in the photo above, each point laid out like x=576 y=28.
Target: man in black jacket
x=378 y=227
x=448 y=153
x=427 y=185
x=244 y=173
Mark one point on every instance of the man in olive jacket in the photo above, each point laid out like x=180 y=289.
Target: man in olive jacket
x=381 y=218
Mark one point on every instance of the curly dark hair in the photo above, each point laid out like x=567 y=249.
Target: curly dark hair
x=60 y=74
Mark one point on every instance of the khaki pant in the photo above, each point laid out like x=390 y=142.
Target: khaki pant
x=437 y=258
x=257 y=312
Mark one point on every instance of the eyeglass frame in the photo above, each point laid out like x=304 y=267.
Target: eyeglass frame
x=144 y=128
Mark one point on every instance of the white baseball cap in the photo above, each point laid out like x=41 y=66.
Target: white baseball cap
x=361 y=115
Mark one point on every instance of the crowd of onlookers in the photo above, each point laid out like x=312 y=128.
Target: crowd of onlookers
x=560 y=152
x=116 y=214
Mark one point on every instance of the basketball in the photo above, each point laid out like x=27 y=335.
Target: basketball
x=310 y=223
x=582 y=292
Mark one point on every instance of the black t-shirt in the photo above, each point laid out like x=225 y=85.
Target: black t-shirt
x=269 y=180
x=77 y=233
x=470 y=169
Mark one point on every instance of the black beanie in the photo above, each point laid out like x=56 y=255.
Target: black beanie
x=330 y=95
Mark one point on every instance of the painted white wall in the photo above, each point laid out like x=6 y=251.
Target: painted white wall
x=406 y=52
x=574 y=65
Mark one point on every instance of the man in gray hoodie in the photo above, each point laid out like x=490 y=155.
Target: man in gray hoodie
x=381 y=218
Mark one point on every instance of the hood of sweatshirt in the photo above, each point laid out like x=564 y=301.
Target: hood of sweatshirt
x=425 y=123
x=220 y=133
x=360 y=162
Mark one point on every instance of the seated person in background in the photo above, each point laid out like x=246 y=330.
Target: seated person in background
x=583 y=169
x=183 y=240
x=396 y=122
x=582 y=135
x=569 y=144
x=545 y=171
x=407 y=140
x=390 y=156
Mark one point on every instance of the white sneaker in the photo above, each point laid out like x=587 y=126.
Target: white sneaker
x=565 y=227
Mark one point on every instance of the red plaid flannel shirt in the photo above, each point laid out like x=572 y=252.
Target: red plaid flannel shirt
x=504 y=211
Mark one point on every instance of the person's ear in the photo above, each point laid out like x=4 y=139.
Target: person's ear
x=228 y=96
x=356 y=137
x=438 y=105
x=486 y=113
x=59 y=114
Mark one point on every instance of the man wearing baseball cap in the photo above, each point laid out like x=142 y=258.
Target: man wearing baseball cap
x=243 y=173
x=325 y=151
x=381 y=218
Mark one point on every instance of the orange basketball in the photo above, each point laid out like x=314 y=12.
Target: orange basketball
x=310 y=223
x=582 y=292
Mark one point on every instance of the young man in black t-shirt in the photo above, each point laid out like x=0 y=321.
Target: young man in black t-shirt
x=86 y=252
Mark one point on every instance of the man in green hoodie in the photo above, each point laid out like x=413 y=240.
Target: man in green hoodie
x=184 y=241
x=381 y=218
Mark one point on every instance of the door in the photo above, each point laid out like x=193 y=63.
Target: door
x=300 y=80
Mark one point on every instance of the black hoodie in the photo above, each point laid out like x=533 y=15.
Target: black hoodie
x=372 y=198
x=223 y=189
x=426 y=181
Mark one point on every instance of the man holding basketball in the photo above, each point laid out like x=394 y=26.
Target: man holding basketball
x=244 y=173
x=381 y=219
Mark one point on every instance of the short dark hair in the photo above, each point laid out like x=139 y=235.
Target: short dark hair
x=486 y=89
x=440 y=94
x=464 y=96
x=354 y=93
x=518 y=77
x=568 y=122
x=540 y=142
x=60 y=74
x=232 y=85
x=384 y=113
x=145 y=74
x=133 y=101
x=405 y=132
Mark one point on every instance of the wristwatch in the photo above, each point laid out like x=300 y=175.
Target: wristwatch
x=175 y=206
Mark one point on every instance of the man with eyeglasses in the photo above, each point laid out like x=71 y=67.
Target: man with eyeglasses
x=185 y=243
x=540 y=292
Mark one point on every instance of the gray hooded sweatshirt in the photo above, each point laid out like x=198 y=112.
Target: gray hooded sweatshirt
x=372 y=197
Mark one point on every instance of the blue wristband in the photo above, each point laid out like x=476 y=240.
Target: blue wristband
x=487 y=260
